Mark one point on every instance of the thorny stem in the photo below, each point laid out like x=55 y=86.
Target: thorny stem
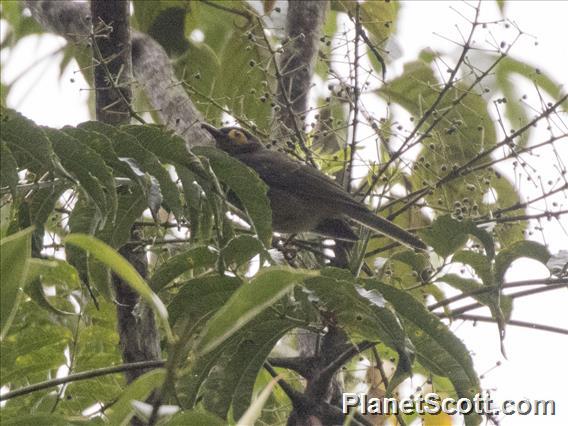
x=102 y=62
x=355 y=105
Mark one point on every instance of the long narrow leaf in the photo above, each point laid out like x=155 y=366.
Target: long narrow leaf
x=247 y=302
x=120 y=266
x=15 y=252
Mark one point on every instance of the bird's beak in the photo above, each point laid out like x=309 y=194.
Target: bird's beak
x=213 y=130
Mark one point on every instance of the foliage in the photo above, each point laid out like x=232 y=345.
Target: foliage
x=223 y=302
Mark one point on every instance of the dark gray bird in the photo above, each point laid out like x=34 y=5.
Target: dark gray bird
x=302 y=198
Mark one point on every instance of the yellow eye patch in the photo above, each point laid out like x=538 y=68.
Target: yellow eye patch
x=237 y=137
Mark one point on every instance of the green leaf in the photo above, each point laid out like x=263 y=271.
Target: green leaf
x=34 y=348
x=196 y=417
x=146 y=13
x=128 y=146
x=196 y=257
x=132 y=152
x=15 y=252
x=417 y=261
x=44 y=419
x=501 y=4
x=500 y=305
x=103 y=159
x=88 y=168
x=240 y=77
x=241 y=249
x=231 y=381
x=99 y=138
x=412 y=310
x=42 y=202
x=131 y=204
x=447 y=235
x=168 y=147
x=506 y=257
x=361 y=311
x=417 y=89
x=199 y=298
x=6 y=218
x=168 y=29
x=52 y=272
x=197 y=207
x=20 y=25
x=254 y=411
x=217 y=25
x=192 y=379
x=26 y=141
x=124 y=270
x=252 y=354
x=516 y=113
x=122 y=411
x=247 y=302
x=378 y=17
x=465 y=130
x=82 y=220
x=480 y=264
x=198 y=67
x=8 y=169
x=507 y=233
x=509 y=66
x=247 y=186
x=437 y=347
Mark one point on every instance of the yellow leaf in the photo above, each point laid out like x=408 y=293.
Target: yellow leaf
x=441 y=419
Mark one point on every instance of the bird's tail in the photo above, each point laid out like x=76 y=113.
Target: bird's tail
x=386 y=227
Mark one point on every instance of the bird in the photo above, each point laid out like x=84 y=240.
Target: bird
x=302 y=198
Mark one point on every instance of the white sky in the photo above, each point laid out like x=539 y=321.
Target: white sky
x=536 y=368
x=536 y=365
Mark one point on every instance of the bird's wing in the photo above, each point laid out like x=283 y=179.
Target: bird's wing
x=279 y=171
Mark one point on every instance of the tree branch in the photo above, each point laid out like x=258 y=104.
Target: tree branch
x=137 y=329
x=304 y=23
x=487 y=289
x=476 y=305
x=81 y=376
x=112 y=61
x=525 y=324
x=151 y=66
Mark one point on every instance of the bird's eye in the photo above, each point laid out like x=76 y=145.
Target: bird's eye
x=237 y=137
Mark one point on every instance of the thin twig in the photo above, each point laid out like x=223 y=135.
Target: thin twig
x=385 y=380
x=450 y=84
x=245 y=14
x=348 y=177
x=524 y=324
x=102 y=62
x=487 y=289
x=463 y=309
x=287 y=101
x=82 y=376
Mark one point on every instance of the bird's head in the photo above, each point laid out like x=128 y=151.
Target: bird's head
x=233 y=140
